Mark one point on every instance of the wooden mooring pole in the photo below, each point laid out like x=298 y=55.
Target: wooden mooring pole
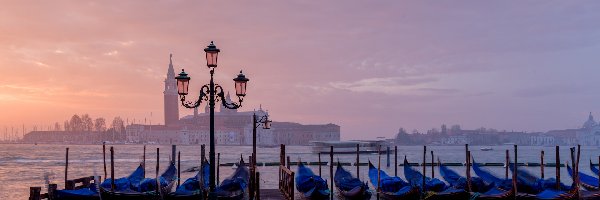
x=112 y=169
x=432 y=166
x=542 y=164
x=319 y=155
x=330 y=171
x=557 y=161
x=387 y=151
x=395 y=160
x=357 y=160
x=173 y=153
x=143 y=162
x=507 y=161
x=515 y=173
x=378 y=171
x=179 y=168
x=66 y=166
x=104 y=159
x=424 y=171
x=469 y=188
x=157 y=167
x=218 y=167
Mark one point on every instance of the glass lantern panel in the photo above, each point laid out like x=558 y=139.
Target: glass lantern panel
x=240 y=88
x=211 y=59
x=182 y=87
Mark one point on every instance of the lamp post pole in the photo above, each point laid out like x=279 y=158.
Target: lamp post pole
x=211 y=154
x=208 y=93
x=266 y=124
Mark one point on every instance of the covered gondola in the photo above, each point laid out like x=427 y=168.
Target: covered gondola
x=310 y=185
x=195 y=187
x=148 y=188
x=91 y=192
x=392 y=187
x=235 y=186
x=588 y=182
x=350 y=187
x=460 y=182
x=531 y=184
x=501 y=189
x=435 y=188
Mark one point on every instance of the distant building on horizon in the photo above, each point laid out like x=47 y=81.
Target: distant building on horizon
x=232 y=127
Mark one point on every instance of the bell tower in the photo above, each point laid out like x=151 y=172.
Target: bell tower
x=171 y=100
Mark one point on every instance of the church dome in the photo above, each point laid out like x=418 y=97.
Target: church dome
x=590 y=122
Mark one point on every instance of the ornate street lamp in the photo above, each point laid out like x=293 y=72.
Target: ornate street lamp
x=266 y=124
x=208 y=93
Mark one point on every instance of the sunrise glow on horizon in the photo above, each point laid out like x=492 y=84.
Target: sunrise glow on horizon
x=369 y=67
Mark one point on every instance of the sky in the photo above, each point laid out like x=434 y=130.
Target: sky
x=369 y=66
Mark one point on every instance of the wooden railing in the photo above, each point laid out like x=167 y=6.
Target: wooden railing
x=286 y=182
x=84 y=182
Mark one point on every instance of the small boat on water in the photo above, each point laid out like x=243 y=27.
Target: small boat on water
x=392 y=187
x=310 y=185
x=350 y=187
x=486 y=148
x=234 y=187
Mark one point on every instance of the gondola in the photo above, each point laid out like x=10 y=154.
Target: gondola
x=501 y=188
x=593 y=168
x=460 y=182
x=193 y=188
x=553 y=194
x=415 y=178
x=588 y=182
x=235 y=186
x=434 y=188
x=392 y=187
x=531 y=184
x=147 y=190
x=91 y=192
x=350 y=187
x=310 y=185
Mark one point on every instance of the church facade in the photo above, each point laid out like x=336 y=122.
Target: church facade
x=232 y=127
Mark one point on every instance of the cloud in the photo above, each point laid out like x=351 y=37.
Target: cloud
x=111 y=53
x=549 y=90
x=386 y=85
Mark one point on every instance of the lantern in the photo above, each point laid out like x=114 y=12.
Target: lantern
x=183 y=81
x=240 y=84
x=211 y=55
x=267 y=124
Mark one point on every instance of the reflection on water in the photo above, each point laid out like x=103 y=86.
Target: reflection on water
x=22 y=166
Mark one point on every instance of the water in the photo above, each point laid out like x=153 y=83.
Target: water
x=26 y=165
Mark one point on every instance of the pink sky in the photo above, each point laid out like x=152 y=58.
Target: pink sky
x=370 y=67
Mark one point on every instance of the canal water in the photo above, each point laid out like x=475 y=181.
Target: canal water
x=26 y=165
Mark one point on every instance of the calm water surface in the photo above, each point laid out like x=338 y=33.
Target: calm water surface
x=26 y=165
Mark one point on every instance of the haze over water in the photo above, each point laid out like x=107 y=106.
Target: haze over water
x=24 y=166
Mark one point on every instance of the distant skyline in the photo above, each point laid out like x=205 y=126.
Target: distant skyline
x=370 y=67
